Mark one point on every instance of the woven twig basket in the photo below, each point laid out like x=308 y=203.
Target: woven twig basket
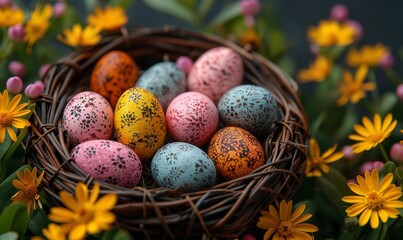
x=226 y=210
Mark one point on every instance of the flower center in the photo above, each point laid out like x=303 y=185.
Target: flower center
x=85 y=214
x=284 y=228
x=31 y=192
x=374 y=202
x=376 y=137
x=5 y=119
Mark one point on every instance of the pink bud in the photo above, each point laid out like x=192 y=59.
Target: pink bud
x=17 y=68
x=5 y=3
x=399 y=92
x=396 y=152
x=43 y=69
x=378 y=165
x=387 y=61
x=359 y=32
x=35 y=89
x=248 y=237
x=339 y=12
x=250 y=7
x=348 y=152
x=14 y=85
x=352 y=180
x=16 y=33
x=59 y=9
x=314 y=49
x=367 y=166
x=250 y=21
x=184 y=63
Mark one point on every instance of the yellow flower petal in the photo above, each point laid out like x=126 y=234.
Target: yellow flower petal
x=374 y=221
x=364 y=218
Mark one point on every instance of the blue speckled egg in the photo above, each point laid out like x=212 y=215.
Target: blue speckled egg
x=250 y=107
x=183 y=166
x=164 y=80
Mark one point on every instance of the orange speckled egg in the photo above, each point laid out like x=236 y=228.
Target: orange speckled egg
x=235 y=152
x=114 y=73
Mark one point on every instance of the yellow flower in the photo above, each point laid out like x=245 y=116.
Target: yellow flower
x=317 y=71
x=110 y=18
x=285 y=224
x=331 y=33
x=250 y=37
x=28 y=188
x=376 y=200
x=317 y=163
x=371 y=134
x=84 y=214
x=353 y=90
x=38 y=24
x=10 y=113
x=54 y=232
x=11 y=16
x=79 y=37
x=367 y=55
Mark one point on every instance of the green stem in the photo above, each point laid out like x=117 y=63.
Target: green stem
x=375 y=94
x=380 y=231
x=384 y=154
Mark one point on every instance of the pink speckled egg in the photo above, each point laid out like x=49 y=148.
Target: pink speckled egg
x=88 y=116
x=192 y=117
x=215 y=72
x=108 y=161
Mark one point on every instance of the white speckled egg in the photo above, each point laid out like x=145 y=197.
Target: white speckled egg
x=215 y=72
x=250 y=107
x=183 y=166
x=164 y=80
x=108 y=161
x=192 y=117
x=88 y=116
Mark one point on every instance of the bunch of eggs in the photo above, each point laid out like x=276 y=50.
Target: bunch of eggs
x=192 y=129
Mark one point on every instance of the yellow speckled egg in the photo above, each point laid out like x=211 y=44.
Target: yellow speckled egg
x=114 y=73
x=140 y=122
x=235 y=152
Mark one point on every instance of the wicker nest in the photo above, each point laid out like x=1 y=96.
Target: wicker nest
x=226 y=210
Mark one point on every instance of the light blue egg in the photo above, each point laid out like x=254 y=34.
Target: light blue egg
x=183 y=166
x=250 y=107
x=164 y=80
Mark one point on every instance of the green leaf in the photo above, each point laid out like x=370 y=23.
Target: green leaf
x=389 y=167
x=189 y=4
x=204 y=7
x=173 y=8
x=13 y=162
x=399 y=173
x=386 y=103
x=379 y=233
x=122 y=235
x=121 y=3
x=4 y=147
x=9 y=236
x=339 y=180
x=7 y=188
x=107 y=235
x=229 y=12
x=334 y=186
x=38 y=221
x=14 y=218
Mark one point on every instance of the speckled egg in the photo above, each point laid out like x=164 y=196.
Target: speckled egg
x=140 y=122
x=215 y=72
x=235 y=152
x=192 y=117
x=114 y=73
x=108 y=161
x=87 y=116
x=164 y=80
x=183 y=166
x=250 y=107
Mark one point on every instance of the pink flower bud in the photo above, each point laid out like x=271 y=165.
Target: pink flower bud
x=250 y=7
x=249 y=21
x=359 y=32
x=248 y=237
x=5 y=3
x=339 y=12
x=387 y=61
x=352 y=180
x=59 y=9
x=43 y=69
x=35 y=89
x=14 y=85
x=16 y=33
x=396 y=152
x=314 y=48
x=367 y=166
x=399 y=92
x=348 y=152
x=17 y=68
x=378 y=165
x=184 y=63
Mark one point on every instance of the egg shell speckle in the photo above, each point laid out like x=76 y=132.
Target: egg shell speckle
x=215 y=72
x=114 y=73
x=164 y=80
x=235 y=152
x=250 y=107
x=140 y=122
x=108 y=161
x=184 y=166
x=87 y=116
x=193 y=118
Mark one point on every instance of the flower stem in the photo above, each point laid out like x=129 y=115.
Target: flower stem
x=384 y=154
